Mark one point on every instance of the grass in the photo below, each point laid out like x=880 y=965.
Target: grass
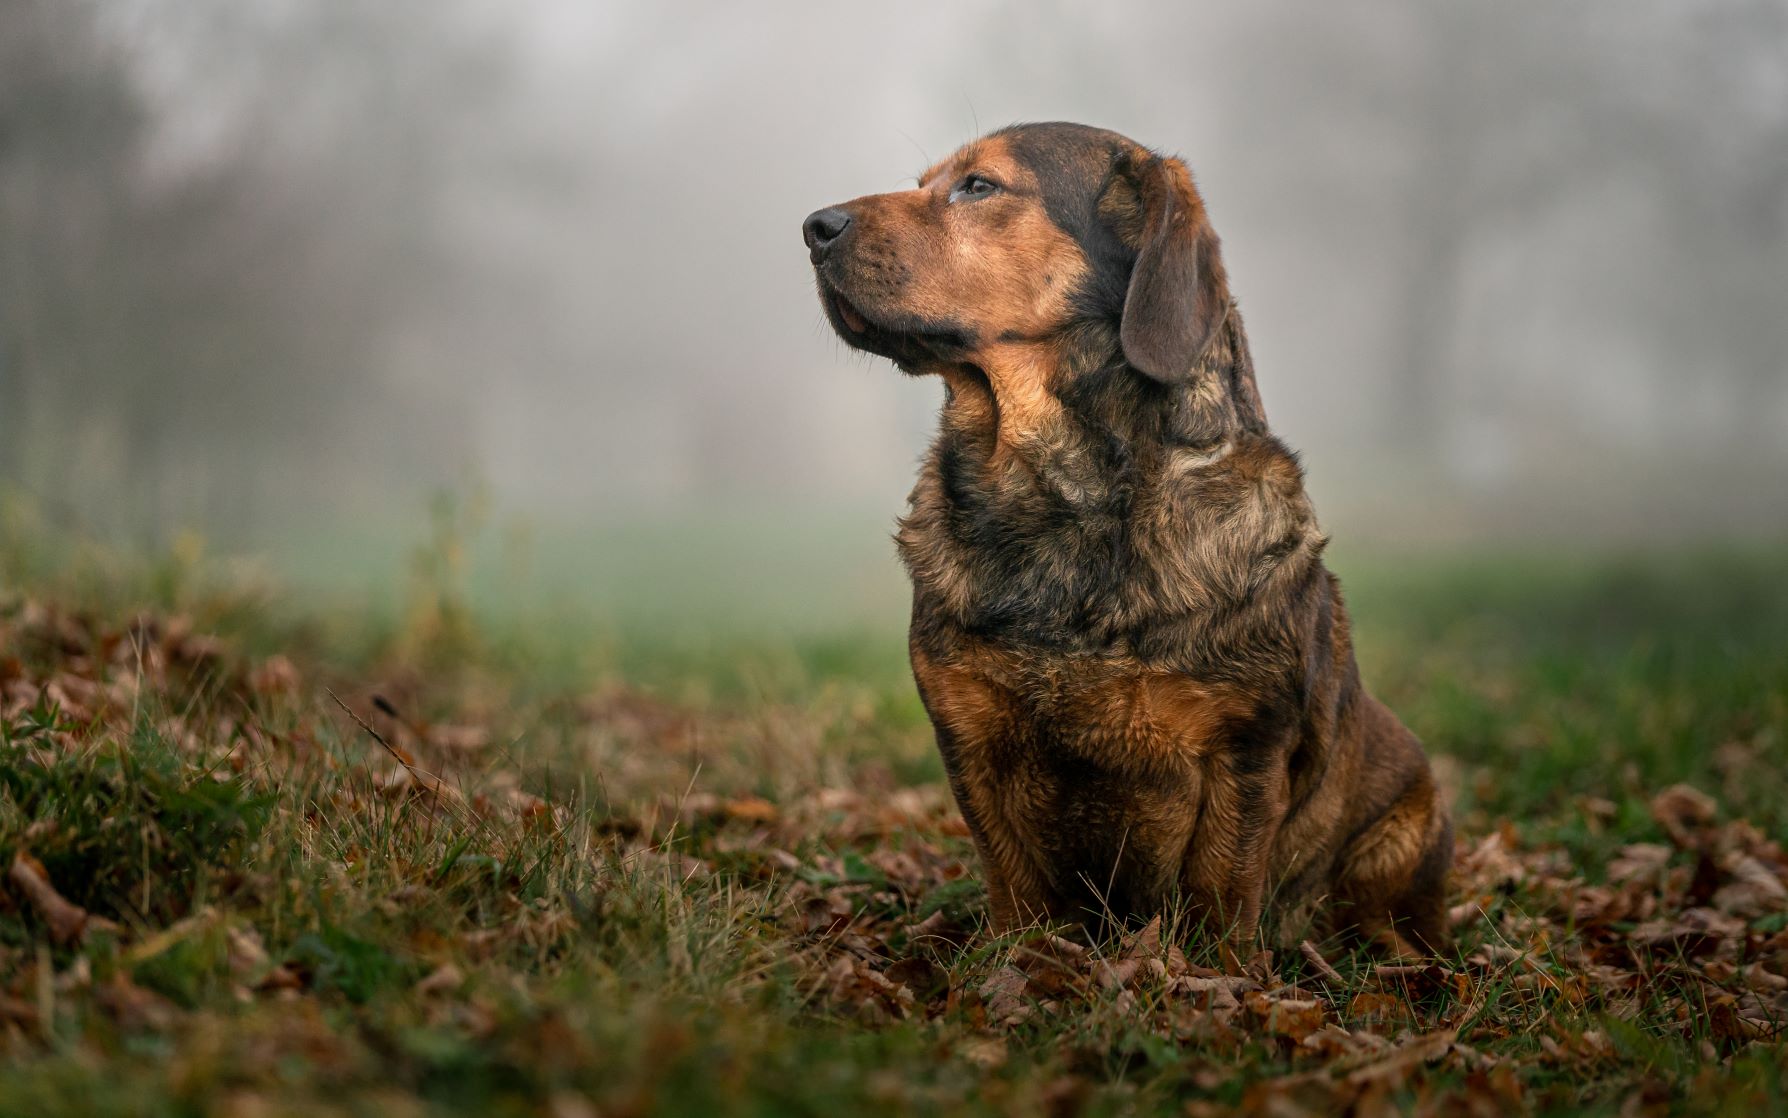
x=599 y=871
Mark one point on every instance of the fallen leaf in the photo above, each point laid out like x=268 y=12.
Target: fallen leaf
x=1218 y=992
x=751 y=809
x=1377 y=1007
x=1754 y=890
x=68 y=922
x=986 y=1052
x=569 y=1104
x=1116 y=975
x=275 y=675
x=161 y=941
x=1693 y=931
x=444 y=979
x=1294 y=1019
x=1684 y=812
x=1004 y=994
x=247 y=955
x=854 y=982
x=133 y=1007
x=1406 y=1057
x=1319 y=964
x=281 y=977
x=1636 y=860
x=920 y=975
x=17 y=1012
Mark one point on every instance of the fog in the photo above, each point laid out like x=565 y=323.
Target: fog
x=1511 y=272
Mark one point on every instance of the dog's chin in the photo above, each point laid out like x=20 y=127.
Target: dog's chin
x=908 y=342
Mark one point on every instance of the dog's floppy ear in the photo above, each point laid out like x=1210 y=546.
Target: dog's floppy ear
x=1178 y=294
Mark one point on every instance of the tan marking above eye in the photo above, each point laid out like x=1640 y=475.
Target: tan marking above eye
x=987 y=157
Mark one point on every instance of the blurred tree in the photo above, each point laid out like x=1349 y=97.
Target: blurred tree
x=1516 y=121
x=218 y=235
x=68 y=122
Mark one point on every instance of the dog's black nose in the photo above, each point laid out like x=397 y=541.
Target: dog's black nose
x=822 y=229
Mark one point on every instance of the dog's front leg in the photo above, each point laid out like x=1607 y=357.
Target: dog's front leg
x=1243 y=802
x=1015 y=897
x=979 y=744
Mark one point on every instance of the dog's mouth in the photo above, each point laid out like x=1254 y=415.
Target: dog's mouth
x=851 y=316
x=906 y=342
x=853 y=324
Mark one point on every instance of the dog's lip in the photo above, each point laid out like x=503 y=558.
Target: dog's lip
x=849 y=313
x=903 y=341
x=857 y=325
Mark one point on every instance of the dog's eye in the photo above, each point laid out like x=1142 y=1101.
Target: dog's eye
x=972 y=188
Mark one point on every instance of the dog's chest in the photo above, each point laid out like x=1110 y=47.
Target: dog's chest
x=1110 y=712
x=1093 y=766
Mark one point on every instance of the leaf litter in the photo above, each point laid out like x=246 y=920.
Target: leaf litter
x=865 y=892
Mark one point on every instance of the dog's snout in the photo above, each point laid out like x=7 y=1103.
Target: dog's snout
x=822 y=229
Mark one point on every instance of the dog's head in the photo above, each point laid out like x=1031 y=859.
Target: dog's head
x=1015 y=240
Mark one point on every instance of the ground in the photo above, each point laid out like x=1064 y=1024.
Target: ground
x=264 y=857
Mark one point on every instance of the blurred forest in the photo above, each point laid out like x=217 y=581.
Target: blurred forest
x=1516 y=268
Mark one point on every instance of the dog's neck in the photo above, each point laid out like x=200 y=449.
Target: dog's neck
x=1045 y=515
x=1066 y=415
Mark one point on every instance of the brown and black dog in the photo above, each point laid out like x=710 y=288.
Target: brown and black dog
x=1137 y=666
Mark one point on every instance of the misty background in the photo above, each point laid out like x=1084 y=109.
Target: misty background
x=277 y=272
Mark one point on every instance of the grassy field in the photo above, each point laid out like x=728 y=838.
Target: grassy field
x=263 y=857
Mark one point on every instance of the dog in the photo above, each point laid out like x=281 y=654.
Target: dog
x=1136 y=664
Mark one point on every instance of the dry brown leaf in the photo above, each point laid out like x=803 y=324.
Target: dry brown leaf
x=920 y=975
x=569 y=1104
x=133 y=1007
x=854 y=982
x=444 y=979
x=1731 y=1027
x=527 y=807
x=1684 y=812
x=281 y=977
x=750 y=809
x=933 y=925
x=1292 y=1018
x=1218 y=992
x=247 y=955
x=1692 y=931
x=161 y=941
x=1259 y=967
x=1055 y=966
x=900 y=868
x=1145 y=942
x=1637 y=860
x=1319 y=964
x=1754 y=890
x=986 y=1052
x=1377 y=1006
x=827 y=914
x=1406 y=1057
x=17 y=1012
x=275 y=675
x=1004 y=995
x=1115 y=975
x=1331 y=1042
x=68 y=922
